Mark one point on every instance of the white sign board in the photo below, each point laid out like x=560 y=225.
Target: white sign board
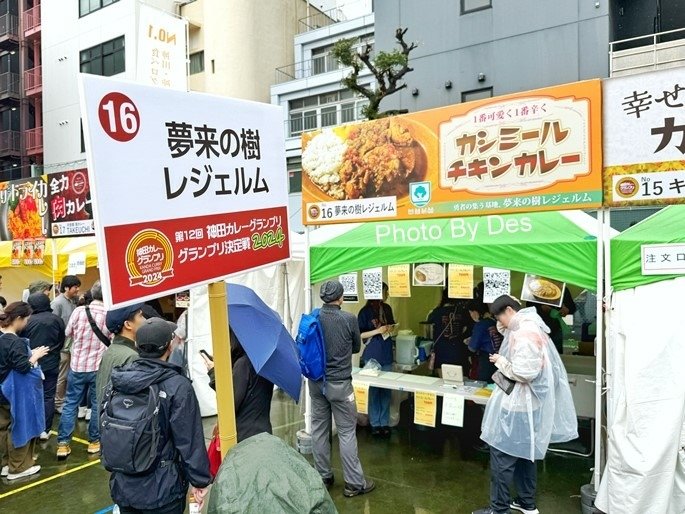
x=77 y=264
x=161 y=49
x=644 y=138
x=187 y=188
x=453 y=410
x=663 y=259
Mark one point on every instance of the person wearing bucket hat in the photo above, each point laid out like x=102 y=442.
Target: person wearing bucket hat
x=335 y=395
x=124 y=324
x=181 y=446
x=40 y=286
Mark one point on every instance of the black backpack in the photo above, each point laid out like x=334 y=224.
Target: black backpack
x=130 y=431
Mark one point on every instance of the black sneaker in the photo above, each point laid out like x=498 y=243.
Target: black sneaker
x=376 y=431
x=385 y=432
x=328 y=482
x=517 y=505
x=351 y=492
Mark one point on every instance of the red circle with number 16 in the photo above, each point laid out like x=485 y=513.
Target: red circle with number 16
x=119 y=117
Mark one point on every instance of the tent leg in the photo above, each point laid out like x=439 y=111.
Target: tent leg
x=307 y=308
x=599 y=347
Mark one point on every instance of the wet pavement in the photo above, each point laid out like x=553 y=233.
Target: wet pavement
x=416 y=471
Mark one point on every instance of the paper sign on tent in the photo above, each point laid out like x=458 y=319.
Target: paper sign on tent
x=399 y=281
x=372 y=281
x=460 y=281
x=77 y=263
x=497 y=283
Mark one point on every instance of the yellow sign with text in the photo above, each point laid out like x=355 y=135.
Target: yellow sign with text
x=529 y=151
x=361 y=397
x=399 y=281
x=460 y=281
x=425 y=408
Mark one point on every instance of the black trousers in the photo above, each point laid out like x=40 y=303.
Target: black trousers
x=505 y=470
x=49 y=389
x=175 y=507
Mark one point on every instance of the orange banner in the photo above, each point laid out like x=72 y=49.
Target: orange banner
x=531 y=151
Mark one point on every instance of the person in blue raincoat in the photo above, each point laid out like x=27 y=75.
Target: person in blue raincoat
x=375 y=319
x=16 y=357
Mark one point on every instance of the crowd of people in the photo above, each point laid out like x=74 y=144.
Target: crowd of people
x=123 y=359
x=530 y=408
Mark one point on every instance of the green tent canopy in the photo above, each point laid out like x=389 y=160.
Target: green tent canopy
x=666 y=226
x=558 y=245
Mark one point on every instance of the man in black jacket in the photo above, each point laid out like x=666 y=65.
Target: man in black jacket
x=46 y=329
x=183 y=456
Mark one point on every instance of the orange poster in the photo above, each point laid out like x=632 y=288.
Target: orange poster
x=531 y=151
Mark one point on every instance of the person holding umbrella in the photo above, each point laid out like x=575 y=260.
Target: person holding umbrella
x=251 y=393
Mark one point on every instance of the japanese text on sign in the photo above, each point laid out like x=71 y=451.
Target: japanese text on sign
x=663 y=259
x=515 y=146
x=205 y=144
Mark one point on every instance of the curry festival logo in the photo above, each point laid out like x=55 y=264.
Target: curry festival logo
x=149 y=259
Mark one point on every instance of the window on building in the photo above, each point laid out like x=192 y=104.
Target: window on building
x=83 y=139
x=197 y=62
x=469 y=6
x=294 y=167
x=105 y=59
x=89 y=6
x=324 y=110
x=476 y=94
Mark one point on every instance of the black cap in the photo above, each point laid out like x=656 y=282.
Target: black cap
x=155 y=335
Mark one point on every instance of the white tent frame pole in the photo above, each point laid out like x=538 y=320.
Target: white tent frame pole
x=599 y=346
x=307 y=309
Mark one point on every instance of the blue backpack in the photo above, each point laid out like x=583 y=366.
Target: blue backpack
x=311 y=347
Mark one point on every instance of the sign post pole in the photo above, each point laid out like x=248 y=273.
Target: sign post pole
x=218 y=313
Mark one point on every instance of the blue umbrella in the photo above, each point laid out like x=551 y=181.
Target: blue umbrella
x=266 y=341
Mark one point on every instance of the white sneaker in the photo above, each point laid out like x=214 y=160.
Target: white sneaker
x=5 y=471
x=88 y=414
x=44 y=436
x=31 y=471
x=517 y=506
x=82 y=412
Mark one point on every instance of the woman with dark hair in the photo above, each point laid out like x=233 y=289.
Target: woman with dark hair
x=16 y=357
x=251 y=393
x=375 y=320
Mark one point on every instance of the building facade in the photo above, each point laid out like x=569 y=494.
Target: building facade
x=233 y=47
x=21 y=141
x=310 y=91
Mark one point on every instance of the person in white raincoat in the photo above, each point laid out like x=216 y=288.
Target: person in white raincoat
x=538 y=411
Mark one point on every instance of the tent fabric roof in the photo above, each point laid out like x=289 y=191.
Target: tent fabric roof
x=663 y=227
x=558 y=245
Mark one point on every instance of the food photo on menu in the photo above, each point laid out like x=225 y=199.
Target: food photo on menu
x=543 y=290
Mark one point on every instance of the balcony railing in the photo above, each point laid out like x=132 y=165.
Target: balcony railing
x=9 y=26
x=317 y=65
x=10 y=142
x=32 y=20
x=34 y=140
x=33 y=80
x=321 y=19
x=645 y=53
x=9 y=85
x=301 y=70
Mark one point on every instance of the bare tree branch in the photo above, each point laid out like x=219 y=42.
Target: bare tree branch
x=388 y=68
